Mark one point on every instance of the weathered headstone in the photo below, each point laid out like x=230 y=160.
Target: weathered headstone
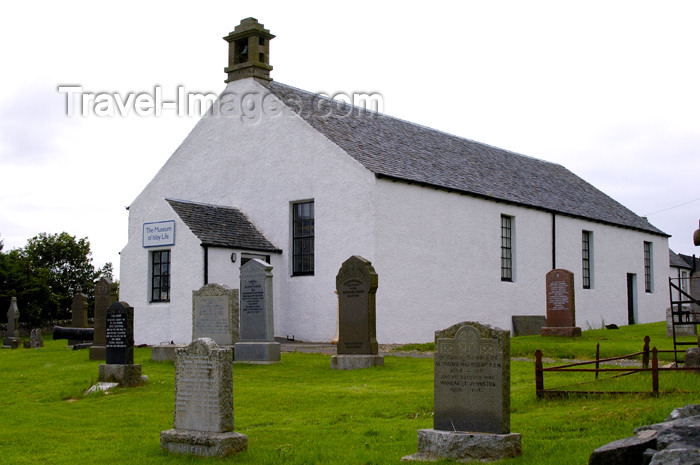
x=12 y=339
x=257 y=329
x=528 y=325
x=561 y=305
x=203 y=418
x=215 y=314
x=36 y=339
x=105 y=295
x=472 y=397
x=689 y=329
x=356 y=284
x=119 y=347
x=78 y=315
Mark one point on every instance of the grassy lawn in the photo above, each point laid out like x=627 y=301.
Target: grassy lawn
x=299 y=411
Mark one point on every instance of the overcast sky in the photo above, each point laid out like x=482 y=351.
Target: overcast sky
x=609 y=89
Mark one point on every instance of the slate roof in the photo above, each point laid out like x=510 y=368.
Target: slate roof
x=403 y=151
x=677 y=261
x=692 y=261
x=219 y=226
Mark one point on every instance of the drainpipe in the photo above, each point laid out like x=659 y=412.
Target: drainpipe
x=206 y=264
x=554 y=241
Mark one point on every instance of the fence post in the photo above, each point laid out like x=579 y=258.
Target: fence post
x=539 y=375
x=597 y=358
x=645 y=356
x=654 y=372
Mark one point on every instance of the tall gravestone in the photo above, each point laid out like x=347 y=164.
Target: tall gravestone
x=105 y=295
x=78 y=315
x=356 y=284
x=119 y=347
x=203 y=418
x=12 y=339
x=472 y=397
x=215 y=314
x=561 y=305
x=257 y=329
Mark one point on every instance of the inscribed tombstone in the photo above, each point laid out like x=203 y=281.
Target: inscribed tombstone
x=472 y=379
x=356 y=284
x=215 y=314
x=119 y=334
x=561 y=304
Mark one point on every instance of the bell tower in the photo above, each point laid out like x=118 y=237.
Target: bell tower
x=249 y=52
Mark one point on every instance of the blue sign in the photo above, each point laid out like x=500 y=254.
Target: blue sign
x=159 y=234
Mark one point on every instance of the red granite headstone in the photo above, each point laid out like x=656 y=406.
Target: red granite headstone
x=561 y=305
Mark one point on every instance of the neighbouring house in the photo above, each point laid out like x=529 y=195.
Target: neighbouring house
x=456 y=229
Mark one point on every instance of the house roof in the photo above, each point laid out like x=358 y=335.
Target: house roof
x=403 y=151
x=677 y=261
x=692 y=261
x=219 y=226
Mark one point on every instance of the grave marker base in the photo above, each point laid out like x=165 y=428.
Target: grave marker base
x=202 y=443
x=98 y=353
x=165 y=352
x=435 y=445
x=257 y=352
x=12 y=343
x=125 y=375
x=566 y=331
x=356 y=361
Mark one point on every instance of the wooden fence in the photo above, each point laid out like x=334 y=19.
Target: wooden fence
x=621 y=371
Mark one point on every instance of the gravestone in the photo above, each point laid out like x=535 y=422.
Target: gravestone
x=203 y=417
x=561 y=305
x=36 y=339
x=257 y=330
x=528 y=325
x=12 y=339
x=689 y=329
x=471 y=397
x=119 y=347
x=78 y=315
x=215 y=314
x=356 y=284
x=105 y=295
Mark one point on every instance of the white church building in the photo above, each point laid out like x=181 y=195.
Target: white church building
x=456 y=229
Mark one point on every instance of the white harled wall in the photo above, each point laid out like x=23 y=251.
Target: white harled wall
x=439 y=263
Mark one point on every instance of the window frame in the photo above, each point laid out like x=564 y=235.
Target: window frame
x=161 y=274
x=507 y=248
x=303 y=238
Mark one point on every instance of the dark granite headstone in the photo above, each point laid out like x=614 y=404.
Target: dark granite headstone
x=119 y=347
x=105 y=296
x=119 y=334
x=356 y=284
x=472 y=379
x=561 y=304
x=215 y=314
x=257 y=333
x=203 y=418
x=12 y=339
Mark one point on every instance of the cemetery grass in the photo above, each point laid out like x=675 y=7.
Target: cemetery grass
x=296 y=412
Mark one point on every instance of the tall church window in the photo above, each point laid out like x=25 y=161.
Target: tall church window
x=160 y=276
x=506 y=248
x=303 y=238
x=586 y=257
x=648 y=282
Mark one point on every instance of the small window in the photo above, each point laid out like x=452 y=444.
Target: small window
x=303 y=238
x=648 y=281
x=586 y=256
x=160 y=276
x=506 y=248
